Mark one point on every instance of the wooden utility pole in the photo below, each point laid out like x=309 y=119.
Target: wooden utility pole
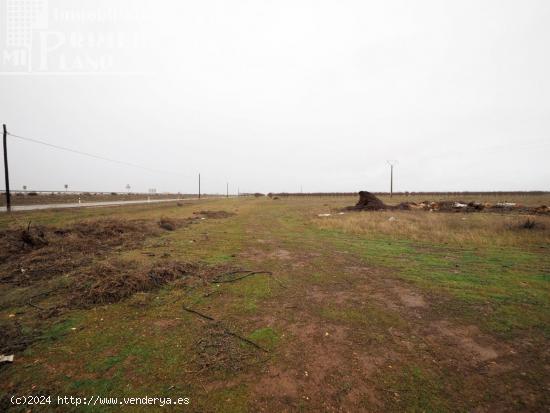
x=6 y=172
x=391 y=183
x=199 y=186
x=392 y=164
x=227 y=191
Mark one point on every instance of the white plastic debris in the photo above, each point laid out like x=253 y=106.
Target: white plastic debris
x=324 y=215
x=459 y=205
x=341 y=213
x=506 y=205
x=391 y=219
x=6 y=359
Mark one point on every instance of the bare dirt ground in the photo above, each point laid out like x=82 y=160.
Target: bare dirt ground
x=254 y=305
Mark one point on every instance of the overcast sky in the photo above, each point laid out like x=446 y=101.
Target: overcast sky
x=279 y=95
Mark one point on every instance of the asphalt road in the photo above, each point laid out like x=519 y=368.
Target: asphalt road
x=92 y=204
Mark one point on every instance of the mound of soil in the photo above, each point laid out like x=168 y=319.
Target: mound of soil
x=368 y=202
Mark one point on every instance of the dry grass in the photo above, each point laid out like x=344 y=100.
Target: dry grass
x=469 y=229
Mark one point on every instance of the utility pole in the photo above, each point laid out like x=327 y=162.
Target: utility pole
x=392 y=164
x=6 y=172
x=227 y=191
x=199 y=186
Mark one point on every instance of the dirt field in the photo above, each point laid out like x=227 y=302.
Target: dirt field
x=264 y=305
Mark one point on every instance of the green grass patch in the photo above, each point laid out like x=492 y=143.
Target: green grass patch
x=265 y=337
x=506 y=282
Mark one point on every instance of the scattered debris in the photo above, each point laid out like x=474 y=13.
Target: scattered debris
x=369 y=202
x=324 y=215
x=391 y=219
x=6 y=359
x=217 y=350
x=506 y=205
x=206 y=317
x=221 y=278
x=225 y=330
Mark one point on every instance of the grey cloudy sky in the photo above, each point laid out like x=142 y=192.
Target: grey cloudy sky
x=275 y=95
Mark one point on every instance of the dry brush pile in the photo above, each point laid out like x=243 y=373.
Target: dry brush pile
x=55 y=269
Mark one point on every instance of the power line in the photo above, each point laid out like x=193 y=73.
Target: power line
x=90 y=155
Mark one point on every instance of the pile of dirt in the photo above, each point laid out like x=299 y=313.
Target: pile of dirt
x=214 y=214
x=368 y=202
x=116 y=280
x=39 y=252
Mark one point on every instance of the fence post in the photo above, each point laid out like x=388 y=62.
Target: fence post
x=6 y=172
